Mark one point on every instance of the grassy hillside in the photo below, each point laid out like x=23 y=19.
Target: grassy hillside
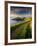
x=22 y=30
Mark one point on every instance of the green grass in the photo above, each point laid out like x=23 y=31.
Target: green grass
x=22 y=30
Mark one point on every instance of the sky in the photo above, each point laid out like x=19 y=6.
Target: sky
x=20 y=11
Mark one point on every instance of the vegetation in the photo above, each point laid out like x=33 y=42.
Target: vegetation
x=22 y=30
x=19 y=19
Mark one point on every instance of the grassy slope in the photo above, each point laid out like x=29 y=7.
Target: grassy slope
x=22 y=30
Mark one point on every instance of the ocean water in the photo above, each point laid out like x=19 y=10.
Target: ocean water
x=13 y=22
